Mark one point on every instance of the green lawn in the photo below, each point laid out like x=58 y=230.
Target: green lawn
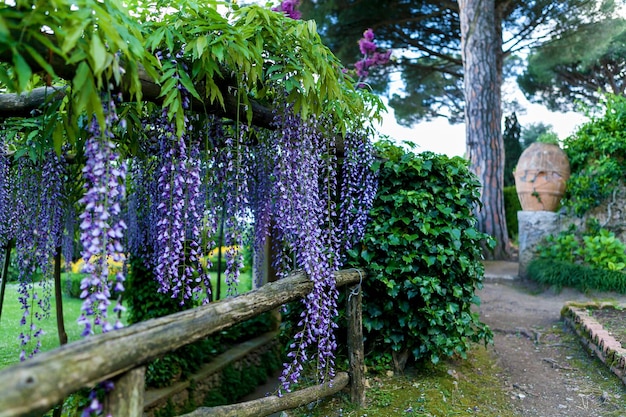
x=10 y=325
x=11 y=315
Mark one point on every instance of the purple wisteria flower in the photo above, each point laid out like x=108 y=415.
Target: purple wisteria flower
x=6 y=231
x=358 y=189
x=37 y=192
x=101 y=227
x=303 y=221
x=177 y=244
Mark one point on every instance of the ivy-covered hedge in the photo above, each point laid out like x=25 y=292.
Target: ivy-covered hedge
x=423 y=257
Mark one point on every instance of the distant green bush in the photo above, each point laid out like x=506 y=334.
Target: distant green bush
x=511 y=207
x=597 y=248
x=594 y=259
x=71 y=284
x=561 y=274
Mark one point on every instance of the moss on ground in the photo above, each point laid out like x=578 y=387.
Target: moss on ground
x=453 y=387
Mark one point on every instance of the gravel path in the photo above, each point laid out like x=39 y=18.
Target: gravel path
x=544 y=367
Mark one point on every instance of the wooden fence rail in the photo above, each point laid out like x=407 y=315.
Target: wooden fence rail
x=38 y=384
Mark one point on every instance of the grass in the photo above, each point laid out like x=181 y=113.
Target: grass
x=245 y=283
x=10 y=328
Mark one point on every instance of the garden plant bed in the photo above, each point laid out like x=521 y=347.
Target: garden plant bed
x=602 y=328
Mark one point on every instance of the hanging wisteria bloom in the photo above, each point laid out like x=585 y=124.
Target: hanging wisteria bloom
x=38 y=200
x=303 y=202
x=101 y=228
x=358 y=189
x=177 y=245
x=5 y=199
x=371 y=56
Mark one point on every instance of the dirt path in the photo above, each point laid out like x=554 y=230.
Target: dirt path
x=544 y=368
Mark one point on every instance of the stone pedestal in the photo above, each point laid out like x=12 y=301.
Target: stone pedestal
x=533 y=227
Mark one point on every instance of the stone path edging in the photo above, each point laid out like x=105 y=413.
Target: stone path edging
x=596 y=337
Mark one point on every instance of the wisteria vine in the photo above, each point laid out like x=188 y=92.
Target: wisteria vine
x=38 y=211
x=102 y=227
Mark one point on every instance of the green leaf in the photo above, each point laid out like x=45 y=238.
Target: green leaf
x=22 y=70
x=98 y=55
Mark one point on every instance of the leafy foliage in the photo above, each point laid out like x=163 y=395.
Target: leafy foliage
x=250 y=52
x=598 y=248
x=512 y=147
x=583 y=277
x=597 y=152
x=422 y=253
x=511 y=207
x=577 y=67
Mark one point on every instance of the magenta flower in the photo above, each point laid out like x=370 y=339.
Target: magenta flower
x=289 y=7
x=371 y=57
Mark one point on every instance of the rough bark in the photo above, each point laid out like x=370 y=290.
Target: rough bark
x=273 y=404
x=481 y=43
x=35 y=386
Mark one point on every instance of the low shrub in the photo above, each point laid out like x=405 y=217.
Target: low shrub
x=561 y=274
x=597 y=248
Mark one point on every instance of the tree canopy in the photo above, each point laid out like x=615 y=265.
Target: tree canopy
x=426 y=39
x=578 y=66
x=450 y=59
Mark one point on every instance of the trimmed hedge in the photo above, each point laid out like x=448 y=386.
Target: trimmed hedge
x=584 y=278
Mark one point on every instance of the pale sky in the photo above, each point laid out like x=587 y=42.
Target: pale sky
x=440 y=137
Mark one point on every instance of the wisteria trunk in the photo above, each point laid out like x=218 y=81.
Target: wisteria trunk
x=5 y=274
x=481 y=43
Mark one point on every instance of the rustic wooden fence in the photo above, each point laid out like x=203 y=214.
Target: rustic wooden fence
x=35 y=386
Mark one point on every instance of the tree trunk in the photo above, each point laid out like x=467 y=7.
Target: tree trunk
x=481 y=44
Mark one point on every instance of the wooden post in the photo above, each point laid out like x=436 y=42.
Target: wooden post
x=126 y=399
x=355 y=346
x=58 y=297
x=37 y=385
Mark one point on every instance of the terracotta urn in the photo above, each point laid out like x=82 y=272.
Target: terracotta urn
x=540 y=177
